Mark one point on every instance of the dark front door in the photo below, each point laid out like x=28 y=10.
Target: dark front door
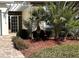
x=14 y=23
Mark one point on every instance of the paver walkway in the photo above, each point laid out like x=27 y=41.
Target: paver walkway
x=7 y=50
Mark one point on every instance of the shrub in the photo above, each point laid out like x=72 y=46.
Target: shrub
x=24 y=34
x=48 y=33
x=19 y=43
x=39 y=35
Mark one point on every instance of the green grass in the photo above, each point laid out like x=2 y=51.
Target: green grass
x=61 y=51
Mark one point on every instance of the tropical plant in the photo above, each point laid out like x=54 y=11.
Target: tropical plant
x=61 y=13
x=37 y=16
x=24 y=34
x=73 y=27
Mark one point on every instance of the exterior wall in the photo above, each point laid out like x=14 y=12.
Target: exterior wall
x=26 y=14
x=4 y=22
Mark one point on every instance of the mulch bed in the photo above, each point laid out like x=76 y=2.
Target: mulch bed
x=36 y=46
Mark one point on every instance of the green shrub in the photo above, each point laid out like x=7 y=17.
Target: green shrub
x=62 y=51
x=19 y=43
x=24 y=34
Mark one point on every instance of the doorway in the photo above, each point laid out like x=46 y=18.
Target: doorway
x=13 y=23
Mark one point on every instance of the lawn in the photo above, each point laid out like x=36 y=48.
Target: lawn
x=60 y=51
x=48 y=48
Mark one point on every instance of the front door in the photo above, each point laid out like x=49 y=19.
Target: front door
x=14 y=23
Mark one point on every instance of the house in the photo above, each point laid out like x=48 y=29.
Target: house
x=13 y=13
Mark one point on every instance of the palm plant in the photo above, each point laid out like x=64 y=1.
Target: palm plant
x=61 y=13
x=38 y=15
x=73 y=27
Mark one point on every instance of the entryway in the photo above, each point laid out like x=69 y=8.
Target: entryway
x=14 y=21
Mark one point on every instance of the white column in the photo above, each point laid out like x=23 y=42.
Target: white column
x=5 y=24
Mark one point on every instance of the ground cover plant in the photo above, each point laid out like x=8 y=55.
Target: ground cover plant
x=19 y=43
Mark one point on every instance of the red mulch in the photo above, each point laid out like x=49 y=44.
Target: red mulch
x=35 y=46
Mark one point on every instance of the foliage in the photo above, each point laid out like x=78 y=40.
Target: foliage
x=62 y=51
x=72 y=25
x=39 y=35
x=61 y=13
x=73 y=28
x=19 y=43
x=24 y=34
x=39 y=15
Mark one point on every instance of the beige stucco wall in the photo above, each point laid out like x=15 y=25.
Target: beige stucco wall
x=26 y=14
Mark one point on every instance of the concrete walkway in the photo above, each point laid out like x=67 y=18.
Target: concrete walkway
x=7 y=50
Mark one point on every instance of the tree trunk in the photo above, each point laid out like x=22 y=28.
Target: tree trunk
x=56 y=33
